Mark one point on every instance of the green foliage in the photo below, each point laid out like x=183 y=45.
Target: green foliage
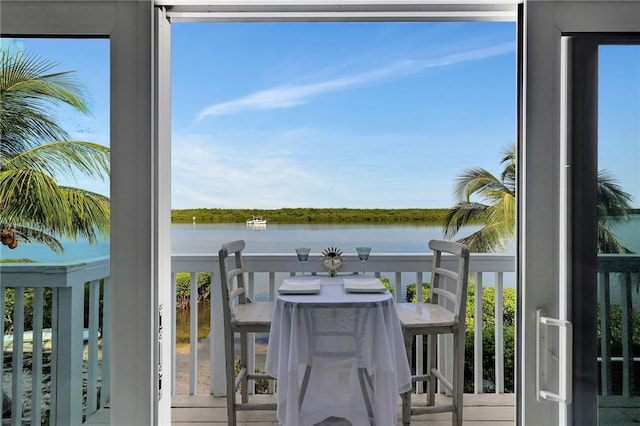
x=9 y=294
x=183 y=288
x=386 y=283
x=314 y=216
x=615 y=325
x=488 y=332
x=262 y=385
x=488 y=336
x=411 y=292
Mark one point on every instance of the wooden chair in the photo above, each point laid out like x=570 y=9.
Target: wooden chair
x=443 y=313
x=241 y=316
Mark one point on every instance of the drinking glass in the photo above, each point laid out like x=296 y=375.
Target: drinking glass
x=303 y=256
x=363 y=254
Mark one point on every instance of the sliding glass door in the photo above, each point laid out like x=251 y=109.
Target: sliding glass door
x=605 y=182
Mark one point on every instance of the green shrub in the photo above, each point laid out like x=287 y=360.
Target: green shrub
x=262 y=385
x=615 y=326
x=488 y=336
x=411 y=292
x=183 y=288
x=488 y=333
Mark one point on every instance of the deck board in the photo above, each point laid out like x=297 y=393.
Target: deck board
x=206 y=410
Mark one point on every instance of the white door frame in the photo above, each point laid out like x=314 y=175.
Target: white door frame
x=135 y=228
x=542 y=201
x=164 y=329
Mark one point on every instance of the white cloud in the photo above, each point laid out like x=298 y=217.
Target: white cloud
x=292 y=95
x=225 y=171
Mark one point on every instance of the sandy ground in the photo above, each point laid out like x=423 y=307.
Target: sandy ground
x=204 y=367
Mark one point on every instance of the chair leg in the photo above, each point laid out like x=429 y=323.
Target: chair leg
x=458 y=378
x=231 y=389
x=244 y=356
x=406 y=408
x=231 y=410
x=362 y=372
x=406 y=397
x=303 y=387
x=432 y=363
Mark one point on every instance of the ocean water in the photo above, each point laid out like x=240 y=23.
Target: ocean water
x=274 y=238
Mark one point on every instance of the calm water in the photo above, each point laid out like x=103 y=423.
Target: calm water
x=207 y=238
x=273 y=238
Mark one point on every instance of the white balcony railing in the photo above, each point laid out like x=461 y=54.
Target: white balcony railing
x=618 y=281
x=76 y=381
x=266 y=271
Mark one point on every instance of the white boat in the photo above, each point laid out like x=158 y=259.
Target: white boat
x=257 y=220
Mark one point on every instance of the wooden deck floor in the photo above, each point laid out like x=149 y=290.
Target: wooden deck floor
x=205 y=410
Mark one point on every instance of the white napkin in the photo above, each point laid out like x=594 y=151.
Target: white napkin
x=299 y=286
x=364 y=285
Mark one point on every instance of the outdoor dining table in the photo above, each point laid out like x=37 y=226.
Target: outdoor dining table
x=342 y=350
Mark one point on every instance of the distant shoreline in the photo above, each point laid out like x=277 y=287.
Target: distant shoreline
x=435 y=216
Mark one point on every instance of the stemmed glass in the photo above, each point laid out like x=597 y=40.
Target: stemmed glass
x=363 y=254
x=303 y=256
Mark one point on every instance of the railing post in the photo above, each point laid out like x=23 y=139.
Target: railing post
x=69 y=363
x=499 y=335
x=627 y=330
x=218 y=378
x=105 y=371
x=604 y=294
x=193 y=333
x=36 y=356
x=477 y=339
x=174 y=343
x=92 y=350
x=17 y=358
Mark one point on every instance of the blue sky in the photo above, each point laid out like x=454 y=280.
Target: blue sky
x=361 y=115
x=356 y=115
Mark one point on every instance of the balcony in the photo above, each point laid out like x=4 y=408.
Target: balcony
x=61 y=374
x=75 y=383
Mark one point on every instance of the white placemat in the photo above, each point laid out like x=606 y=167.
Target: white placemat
x=299 y=286
x=363 y=285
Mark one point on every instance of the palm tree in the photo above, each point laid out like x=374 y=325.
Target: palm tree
x=35 y=151
x=613 y=206
x=497 y=215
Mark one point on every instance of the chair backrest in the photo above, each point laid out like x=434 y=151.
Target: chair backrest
x=230 y=260
x=461 y=276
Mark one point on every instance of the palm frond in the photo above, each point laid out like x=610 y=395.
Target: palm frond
x=476 y=181
x=32 y=235
x=609 y=243
x=90 y=213
x=28 y=90
x=485 y=240
x=508 y=175
x=464 y=214
x=66 y=157
x=613 y=202
x=33 y=199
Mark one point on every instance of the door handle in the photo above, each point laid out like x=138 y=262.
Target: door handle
x=565 y=363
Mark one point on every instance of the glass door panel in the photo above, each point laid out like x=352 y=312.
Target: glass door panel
x=55 y=228
x=618 y=284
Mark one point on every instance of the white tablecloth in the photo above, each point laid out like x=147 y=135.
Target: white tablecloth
x=334 y=388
